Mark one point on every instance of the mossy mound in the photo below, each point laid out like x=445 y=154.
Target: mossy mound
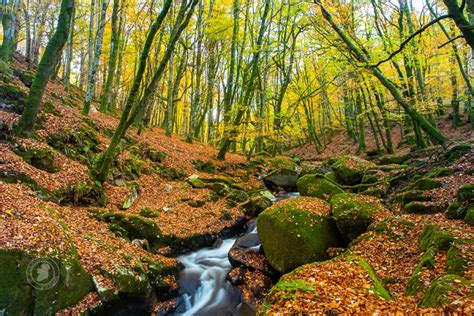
x=457 y=152
x=81 y=193
x=79 y=144
x=40 y=286
x=424 y=184
x=456 y=262
x=171 y=173
x=350 y=169
x=297 y=231
x=469 y=218
x=412 y=195
x=12 y=98
x=466 y=193
x=394 y=159
x=433 y=236
x=282 y=162
x=155 y=155
x=204 y=166
x=439 y=290
x=439 y=172
x=353 y=213
x=317 y=186
x=456 y=210
x=417 y=207
x=41 y=158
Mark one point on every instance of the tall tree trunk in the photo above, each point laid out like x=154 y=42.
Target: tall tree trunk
x=69 y=52
x=8 y=12
x=92 y=77
x=114 y=48
x=43 y=73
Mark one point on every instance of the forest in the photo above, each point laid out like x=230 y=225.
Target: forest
x=236 y=157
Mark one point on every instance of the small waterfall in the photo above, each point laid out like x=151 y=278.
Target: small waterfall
x=203 y=281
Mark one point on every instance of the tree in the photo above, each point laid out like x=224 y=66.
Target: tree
x=416 y=117
x=134 y=106
x=45 y=68
x=8 y=13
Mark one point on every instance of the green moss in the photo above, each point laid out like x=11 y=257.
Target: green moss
x=285 y=289
x=11 y=176
x=394 y=158
x=350 y=169
x=132 y=168
x=457 y=152
x=424 y=184
x=433 y=236
x=131 y=198
x=415 y=284
x=466 y=193
x=293 y=233
x=236 y=196
x=155 y=155
x=417 y=207
x=171 y=173
x=18 y=297
x=48 y=107
x=220 y=189
x=456 y=263
x=379 y=288
x=439 y=290
x=81 y=193
x=5 y=68
x=469 y=218
x=129 y=281
x=455 y=210
x=353 y=213
x=282 y=162
x=79 y=144
x=412 y=195
x=317 y=186
x=439 y=172
x=204 y=166
x=149 y=213
x=196 y=182
x=41 y=158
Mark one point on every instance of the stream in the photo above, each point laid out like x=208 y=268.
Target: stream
x=204 y=288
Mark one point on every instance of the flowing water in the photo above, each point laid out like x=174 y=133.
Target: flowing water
x=203 y=280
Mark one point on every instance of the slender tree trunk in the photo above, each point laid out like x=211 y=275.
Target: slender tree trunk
x=114 y=48
x=45 y=68
x=8 y=12
x=92 y=77
x=69 y=52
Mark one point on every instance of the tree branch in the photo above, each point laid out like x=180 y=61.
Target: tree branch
x=405 y=42
x=451 y=40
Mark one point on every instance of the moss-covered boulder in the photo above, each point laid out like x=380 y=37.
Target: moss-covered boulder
x=297 y=231
x=314 y=185
x=417 y=207
x=41 y=158
x=195 y=182
x=456 y=261
x=424 y=184
x=350 y=169
x=155 y=155
x=282 y=162
x=394 y=158
x=439 y=172
x=40 y=286
x=412 y=195
x=466 y=193
x=439 y=291
x=469 y=218
x=433 y=236
x=457 y=152
x=12 y=98
x=204 y=166
x=353 y=213
x=455 y=210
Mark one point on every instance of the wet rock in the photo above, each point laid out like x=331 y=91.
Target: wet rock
x=258 y=203
x=247 y=241
x=281 y=178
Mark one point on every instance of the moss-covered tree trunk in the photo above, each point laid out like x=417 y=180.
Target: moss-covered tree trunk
x=93 y=68
x=8 y=13
x=69 y=52
x=133 y=106
x=45 y=69
x=113 y=58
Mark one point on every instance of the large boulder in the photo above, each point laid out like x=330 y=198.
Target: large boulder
x=350 y=169
x=353 y=213
x=297 y=231
x=314 y=185
x=281 y=178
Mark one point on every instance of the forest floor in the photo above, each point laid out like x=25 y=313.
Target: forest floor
x=49 y=206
